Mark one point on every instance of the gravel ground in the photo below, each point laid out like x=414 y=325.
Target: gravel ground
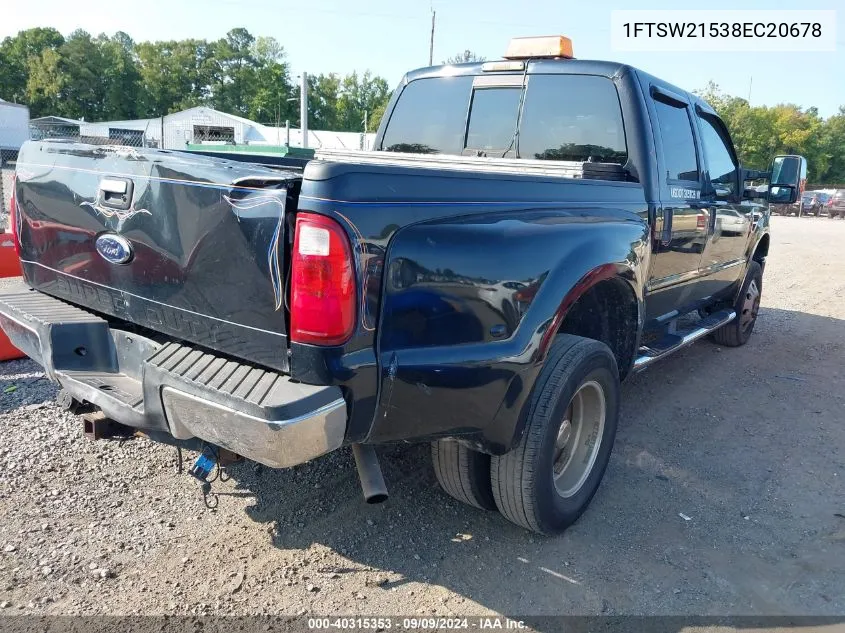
x=748 y=444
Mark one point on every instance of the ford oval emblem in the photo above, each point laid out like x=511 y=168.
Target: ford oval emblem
x=114 y=248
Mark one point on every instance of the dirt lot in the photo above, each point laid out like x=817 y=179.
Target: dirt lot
x=749 y=444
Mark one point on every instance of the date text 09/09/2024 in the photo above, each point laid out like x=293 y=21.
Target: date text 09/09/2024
x=415 y=623
x=723 y=29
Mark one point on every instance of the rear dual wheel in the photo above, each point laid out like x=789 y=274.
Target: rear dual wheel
x=547 y=481
x=463 y=473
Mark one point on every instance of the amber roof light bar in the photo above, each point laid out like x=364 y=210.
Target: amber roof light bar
x=547 y=46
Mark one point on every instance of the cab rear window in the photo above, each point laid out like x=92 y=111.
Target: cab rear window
x=559 y=117
x=430 y=117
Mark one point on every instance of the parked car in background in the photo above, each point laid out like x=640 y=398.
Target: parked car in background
x=836 y=204
x=810 y=203
x=823 y=200
x=731 y=222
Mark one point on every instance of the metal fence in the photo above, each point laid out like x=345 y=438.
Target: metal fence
x=177 y=133
x=91 y=133
x=8 y=158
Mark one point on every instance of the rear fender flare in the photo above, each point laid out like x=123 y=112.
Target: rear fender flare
x=588 y=280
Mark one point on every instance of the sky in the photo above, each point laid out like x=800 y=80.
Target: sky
x=389 y=37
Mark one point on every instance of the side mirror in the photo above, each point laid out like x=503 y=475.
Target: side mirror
x=782 y=194
x=787 y=180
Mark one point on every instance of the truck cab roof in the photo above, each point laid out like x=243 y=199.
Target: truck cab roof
x=560 y=66
x=535 y=66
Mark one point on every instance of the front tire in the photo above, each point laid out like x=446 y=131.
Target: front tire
x=547 y=481
x=747 y=305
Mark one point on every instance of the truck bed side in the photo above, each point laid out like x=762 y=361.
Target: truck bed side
x=462 y=273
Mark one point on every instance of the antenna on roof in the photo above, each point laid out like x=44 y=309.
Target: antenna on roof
x=431 y=41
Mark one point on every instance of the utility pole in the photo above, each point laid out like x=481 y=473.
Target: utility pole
x=303 y=109
x=365 y=121
x=431 y=41
x=750 y=83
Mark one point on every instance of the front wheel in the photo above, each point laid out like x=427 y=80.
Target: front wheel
x=747 y=305
x=547 y=481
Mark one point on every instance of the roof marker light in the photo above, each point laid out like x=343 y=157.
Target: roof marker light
x=543 y=46
x=487 y=67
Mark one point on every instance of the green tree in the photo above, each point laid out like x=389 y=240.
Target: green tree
x=462 y=58
x=44 y=84
x=235 y=81
x=761 y=132
x=359 y=95
x=273 y=98
x=175 y=75
x=18 y=54
x=376 y=116
x=832 y=147
x=323 y=96
x=121 y=77
x=84 y=86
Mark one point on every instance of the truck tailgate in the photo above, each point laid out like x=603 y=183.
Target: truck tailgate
x=189 y=246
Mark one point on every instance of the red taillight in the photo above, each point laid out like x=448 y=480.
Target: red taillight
x=322 y=291
x=13 y=218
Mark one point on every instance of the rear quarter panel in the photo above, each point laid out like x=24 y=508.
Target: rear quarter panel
x=472 y=270
x=467 y=303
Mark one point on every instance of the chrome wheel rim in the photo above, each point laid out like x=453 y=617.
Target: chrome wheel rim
x=579 y=438
x=750 y=305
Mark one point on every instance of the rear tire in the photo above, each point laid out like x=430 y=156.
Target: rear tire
x=738 y=331
x=547 y=481
x=463 y=473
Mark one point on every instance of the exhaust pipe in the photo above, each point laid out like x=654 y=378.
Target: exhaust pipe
x=369 y=472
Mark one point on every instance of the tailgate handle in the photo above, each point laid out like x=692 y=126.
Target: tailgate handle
x=116 y=193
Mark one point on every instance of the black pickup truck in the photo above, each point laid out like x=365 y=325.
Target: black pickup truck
x=526 y=234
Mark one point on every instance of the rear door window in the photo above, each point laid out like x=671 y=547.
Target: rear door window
x=679 y=156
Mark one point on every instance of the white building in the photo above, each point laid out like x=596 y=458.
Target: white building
x=14 y=125
x=197 y=126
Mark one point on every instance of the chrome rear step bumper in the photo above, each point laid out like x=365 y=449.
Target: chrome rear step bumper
x=187 y=392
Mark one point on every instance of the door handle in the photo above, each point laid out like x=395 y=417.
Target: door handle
x=666 y=238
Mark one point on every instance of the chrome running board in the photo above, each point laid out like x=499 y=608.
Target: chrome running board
x=671 y=343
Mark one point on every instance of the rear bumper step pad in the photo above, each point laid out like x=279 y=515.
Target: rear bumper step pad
x=188 y=392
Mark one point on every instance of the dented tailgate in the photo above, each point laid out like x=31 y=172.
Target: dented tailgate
x=190 y=246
